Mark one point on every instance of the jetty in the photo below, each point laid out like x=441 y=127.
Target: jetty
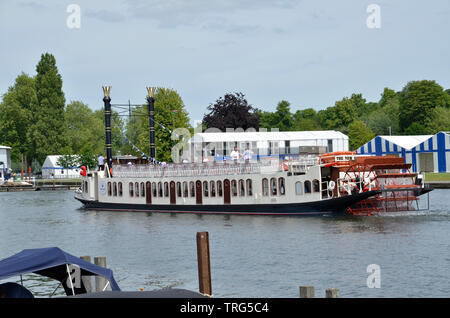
x=33 y=184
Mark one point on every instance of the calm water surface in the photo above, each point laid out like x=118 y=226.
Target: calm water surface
x=251 y=256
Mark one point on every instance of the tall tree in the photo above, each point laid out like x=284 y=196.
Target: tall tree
x=85 y=129
x=231 y=111
x=418 y=99
x=15 y=116
x=48 y=132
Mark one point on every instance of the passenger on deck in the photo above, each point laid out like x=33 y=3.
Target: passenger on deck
x=235 y=155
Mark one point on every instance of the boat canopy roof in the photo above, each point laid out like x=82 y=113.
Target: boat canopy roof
x=54 y=263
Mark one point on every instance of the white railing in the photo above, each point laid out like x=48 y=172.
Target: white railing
x=187 y=170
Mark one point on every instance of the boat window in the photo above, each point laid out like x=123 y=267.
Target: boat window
x=192 y=187
x=109 y=189
x=166 y=189
x=213 y=188
x=219 y=188
x=131 y=187
x=120 y=189
x=273 y=186
x=136 y=191
x=179 y=189
x=205 y=188
x=299 y=188
x=86 y=186
x=281 y=186
x=142 y=189
x=160 y=189
x=185 y=189
x=234 y=188
x=154 y=189
x=249 y=187
x=316 y=186
x=241 y=188
x=115 y=189
x=265 y=187
x=307 y=187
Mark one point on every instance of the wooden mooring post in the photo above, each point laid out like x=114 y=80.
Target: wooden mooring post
x=100 y=282
x=332 y=293
x=204 y=264
x=308 y=292
x=87 y=279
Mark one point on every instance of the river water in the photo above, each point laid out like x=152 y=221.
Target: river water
x=251 y=256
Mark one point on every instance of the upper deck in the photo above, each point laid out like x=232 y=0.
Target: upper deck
x=210 y=168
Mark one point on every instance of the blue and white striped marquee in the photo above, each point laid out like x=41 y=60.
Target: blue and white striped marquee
x=411 y=147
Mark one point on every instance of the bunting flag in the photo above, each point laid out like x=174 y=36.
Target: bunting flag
x=134 y=147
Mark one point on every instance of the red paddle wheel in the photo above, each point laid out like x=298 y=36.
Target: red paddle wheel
x=388 y=174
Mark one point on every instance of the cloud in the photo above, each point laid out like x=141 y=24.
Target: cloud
x=174 y=13
x=106 y=15
x=32 y=5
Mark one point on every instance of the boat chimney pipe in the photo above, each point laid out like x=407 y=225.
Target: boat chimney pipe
x=107 y=103
x=151 y=120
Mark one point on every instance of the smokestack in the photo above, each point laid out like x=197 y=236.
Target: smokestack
x=107 y=102
x=151 y=120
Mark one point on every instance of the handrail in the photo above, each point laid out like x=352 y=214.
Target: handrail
x=186 y=170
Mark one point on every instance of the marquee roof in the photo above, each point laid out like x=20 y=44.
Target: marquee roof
x=407 y=142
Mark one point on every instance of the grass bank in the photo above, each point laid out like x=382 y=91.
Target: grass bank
x=430 y=176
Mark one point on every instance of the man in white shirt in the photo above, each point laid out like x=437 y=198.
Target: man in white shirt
x=235 y=154
x=248 y=154
x=101 y=162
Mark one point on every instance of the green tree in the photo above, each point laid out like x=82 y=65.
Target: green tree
x=384 y=120
x=48 y=133
x=340 y=115
x=418 y=99
x=15 y=116
x=359 y=134
x=85 y=129
x=306 y=119
x=67 y=162
x=440 y=120
x=387 y=95
x=87 y=158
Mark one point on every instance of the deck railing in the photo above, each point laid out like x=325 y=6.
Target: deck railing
x=187 y=170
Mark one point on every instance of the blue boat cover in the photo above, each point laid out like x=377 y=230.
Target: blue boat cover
x=52 y=262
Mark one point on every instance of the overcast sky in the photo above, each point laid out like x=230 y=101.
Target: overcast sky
x=310 y=53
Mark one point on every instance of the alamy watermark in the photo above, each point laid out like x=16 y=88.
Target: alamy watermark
x=74 y=19
x=373 y=21
x=374 y=279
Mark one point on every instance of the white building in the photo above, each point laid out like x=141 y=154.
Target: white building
x=218 y=145
x=51 y=167
x=5 y=161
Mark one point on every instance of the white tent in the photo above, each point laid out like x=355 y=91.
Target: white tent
x=268 y=143
x=51 y=167
x=5 y=158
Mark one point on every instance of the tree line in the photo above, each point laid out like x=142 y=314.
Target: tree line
x=35 y=120
x=421 y=107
